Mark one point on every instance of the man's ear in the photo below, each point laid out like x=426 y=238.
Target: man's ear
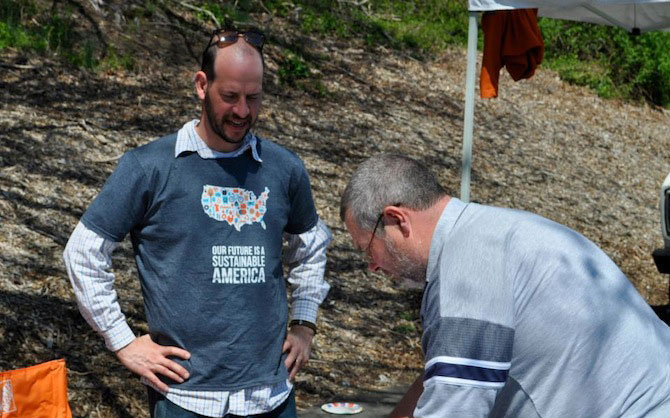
x=399 y=217
x=201 y=84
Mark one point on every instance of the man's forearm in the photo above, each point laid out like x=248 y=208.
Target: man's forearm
x=87 y=258
x=306 y=258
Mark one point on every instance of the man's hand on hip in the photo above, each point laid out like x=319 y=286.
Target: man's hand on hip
x=147 y=359
x=298 y=344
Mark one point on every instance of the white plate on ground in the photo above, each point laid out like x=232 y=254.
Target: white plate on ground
x=342 y=408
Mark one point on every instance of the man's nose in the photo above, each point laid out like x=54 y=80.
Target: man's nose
x=241 y=108
x=372 y=266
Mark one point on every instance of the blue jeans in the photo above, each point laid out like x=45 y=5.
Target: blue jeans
x=160 y=407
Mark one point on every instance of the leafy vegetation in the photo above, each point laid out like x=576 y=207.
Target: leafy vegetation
x=610 y=60
x=420 y=26
x=11 y=32
x=27 y=28
x=56 y=34
x=236 y=12
x=293 y=68
x=607 y=59
x=405 y=328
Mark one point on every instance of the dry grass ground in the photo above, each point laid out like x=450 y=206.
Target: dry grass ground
x=558 y=150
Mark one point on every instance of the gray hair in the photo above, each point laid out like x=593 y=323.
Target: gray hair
x=388 y=179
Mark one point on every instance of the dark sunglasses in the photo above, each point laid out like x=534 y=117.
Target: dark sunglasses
x=224 y=37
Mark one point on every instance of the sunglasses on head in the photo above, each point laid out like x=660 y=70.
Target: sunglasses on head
x=224 y=37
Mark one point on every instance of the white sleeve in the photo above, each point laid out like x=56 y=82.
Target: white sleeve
x=88 y=262
x=306 y=259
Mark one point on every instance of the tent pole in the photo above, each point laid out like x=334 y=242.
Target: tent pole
x=468 y=119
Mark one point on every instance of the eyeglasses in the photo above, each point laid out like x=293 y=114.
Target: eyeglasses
x=374 y=231
x=225 y=37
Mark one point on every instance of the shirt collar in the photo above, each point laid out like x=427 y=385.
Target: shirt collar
x=188 y=140
x=444 y=226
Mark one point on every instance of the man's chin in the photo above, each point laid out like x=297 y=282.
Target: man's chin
x=234 y=135
x=234 y=139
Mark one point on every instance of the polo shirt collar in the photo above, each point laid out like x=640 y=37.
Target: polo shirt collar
x=188 y=140
x=444 y=226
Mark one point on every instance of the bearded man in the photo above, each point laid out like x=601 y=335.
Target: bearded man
x=522 y=317
x=207 y=209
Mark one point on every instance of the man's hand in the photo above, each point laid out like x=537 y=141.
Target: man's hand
x=147 y=359
x=298 y=343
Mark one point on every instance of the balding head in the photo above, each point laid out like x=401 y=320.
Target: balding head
x=233 y=54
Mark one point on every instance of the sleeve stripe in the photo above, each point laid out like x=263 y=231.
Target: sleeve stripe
x=463 y=382
x=471 y=373
x=498 y=365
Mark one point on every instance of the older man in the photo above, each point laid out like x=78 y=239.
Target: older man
x=206 y=209
x=522 y=317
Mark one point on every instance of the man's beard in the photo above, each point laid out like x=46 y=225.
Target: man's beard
x=218 y=128
x=411 y=273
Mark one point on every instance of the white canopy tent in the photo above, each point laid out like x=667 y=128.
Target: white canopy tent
x=634 y=16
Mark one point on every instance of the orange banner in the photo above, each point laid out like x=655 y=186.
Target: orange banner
x=37 y=392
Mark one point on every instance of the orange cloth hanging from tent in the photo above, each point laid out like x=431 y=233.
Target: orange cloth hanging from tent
x=37 y=392
x=512 y=39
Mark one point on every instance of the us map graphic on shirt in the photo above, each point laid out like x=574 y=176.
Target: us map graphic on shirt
x=234 y=205
x=236 y=264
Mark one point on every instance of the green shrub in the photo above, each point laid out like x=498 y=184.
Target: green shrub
x=227 y=11
x=426 y=26
x=13 y=36
x=12 y=32
x=23 y=27
x=82 y=57
x=60 y=35
x=12 y=11
x=610 y=60
x=429 y=25
x=405 y=328
x=114 y=61
x=292 y=69
x=57 y=34
x=313 y=21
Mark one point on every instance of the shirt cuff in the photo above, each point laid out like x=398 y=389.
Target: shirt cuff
x=118 y=337
x=305 y=310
